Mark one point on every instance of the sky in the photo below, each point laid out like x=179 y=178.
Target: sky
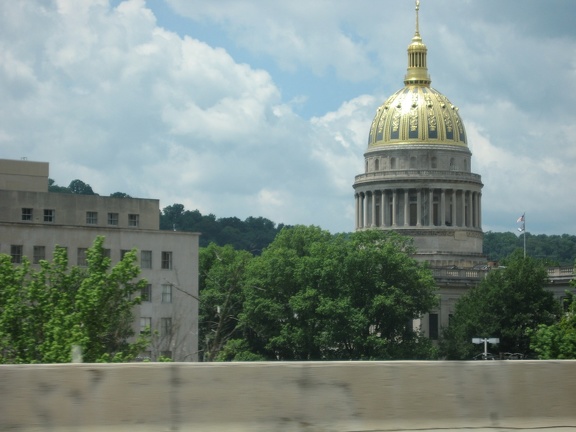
x=262 y=108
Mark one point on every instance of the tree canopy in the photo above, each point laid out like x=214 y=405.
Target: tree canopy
x=45 y=312
x=253 y=234
x=507 y=304
x=558 y=340
x=221 y=275
x=315 y=296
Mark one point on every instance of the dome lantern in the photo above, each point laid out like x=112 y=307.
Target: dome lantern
x=417 y=70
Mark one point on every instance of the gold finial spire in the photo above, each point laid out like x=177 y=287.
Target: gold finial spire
x=417 y=22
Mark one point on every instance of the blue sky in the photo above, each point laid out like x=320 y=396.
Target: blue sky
x=259 y=108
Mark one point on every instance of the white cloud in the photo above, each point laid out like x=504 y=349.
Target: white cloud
x=109 y=95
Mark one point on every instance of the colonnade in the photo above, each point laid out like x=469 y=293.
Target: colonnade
x=418 y=207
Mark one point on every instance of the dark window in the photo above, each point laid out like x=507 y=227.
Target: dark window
x=26 y=214
x=165 y=327
x=167 y=260
x=433 y=326
x=49 y=215
x=16 y=251
x=112 y=218
x=146 y=293
x=166 y=293
x=146 y=259
x=81 y=259
x=145 y=324
x=92 y=218
x=133 y=220
x=39 y=254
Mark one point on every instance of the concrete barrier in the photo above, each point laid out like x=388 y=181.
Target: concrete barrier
x=299 y=396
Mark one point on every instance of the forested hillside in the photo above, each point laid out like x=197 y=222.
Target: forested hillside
x=252 y=234
x=556 y=250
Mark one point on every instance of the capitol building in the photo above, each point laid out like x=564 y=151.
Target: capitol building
x=418 y=181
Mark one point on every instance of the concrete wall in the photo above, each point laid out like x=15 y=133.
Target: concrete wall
x=311 y=397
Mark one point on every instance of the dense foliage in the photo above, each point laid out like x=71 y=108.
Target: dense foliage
x=45 y=312
x=554 y=250
x=222 y=272
x=315 y=296
x=558 y=340
x=252 y=234
x=508 y=304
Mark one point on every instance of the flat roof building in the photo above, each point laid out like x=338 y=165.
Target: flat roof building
x=33 y=221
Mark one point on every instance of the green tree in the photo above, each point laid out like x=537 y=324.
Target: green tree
x=222 y=273
x=507 y=304
x=44 y=312
x=558 y=340
x=314 y=296
x=79 y=187
x=120 y=195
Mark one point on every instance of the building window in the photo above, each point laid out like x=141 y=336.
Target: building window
x=26 y=214
x=82 y=257
x=167 y=260
x=377 y=165
x=113 y=219
x=123 y=253
x=49 y=215
x=145 y=324
x=434 y=162
x=166 y=293
x=146 y=259
x=106 y=253
x=165 y=327
x=133 y=220
x=39 y=254
x=393 y=163
x=433 y=326
x=146 y=293
x=92 y=218
x=16 y=251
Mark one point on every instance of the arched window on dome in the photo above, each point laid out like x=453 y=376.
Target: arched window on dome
x=465 y=165
x=392 y=163
x=452 y=165
x=412 y=162
x=366 y=169
x=434 y=162
x=377 y=165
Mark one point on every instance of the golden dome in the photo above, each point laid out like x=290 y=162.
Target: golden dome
x=417 y=113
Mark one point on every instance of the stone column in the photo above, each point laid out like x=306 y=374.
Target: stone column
x=480 y=210
x=356 y=198
x=443 y=207
x=394 y=207
x=463 y=208
x=406 y=208
x=365 y=211
x=430 y=207
x=419 y=207
x=373 y=218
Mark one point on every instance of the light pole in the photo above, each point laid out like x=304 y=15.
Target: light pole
x=486 y=342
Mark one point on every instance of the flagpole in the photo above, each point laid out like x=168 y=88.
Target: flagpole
x=522 y=219
x=524 y=227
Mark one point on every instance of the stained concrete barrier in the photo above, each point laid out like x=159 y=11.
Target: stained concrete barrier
x=299 y=396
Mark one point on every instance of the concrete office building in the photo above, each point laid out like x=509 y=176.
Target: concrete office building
x=34 y=221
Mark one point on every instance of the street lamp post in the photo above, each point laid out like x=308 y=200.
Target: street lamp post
x=486 y=341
